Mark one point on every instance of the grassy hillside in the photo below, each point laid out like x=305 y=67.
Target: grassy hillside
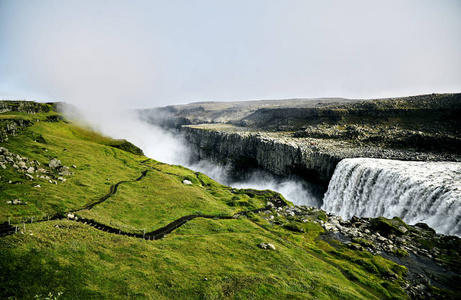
x=204 y=259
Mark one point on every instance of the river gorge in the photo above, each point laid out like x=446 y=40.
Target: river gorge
x=391 y=158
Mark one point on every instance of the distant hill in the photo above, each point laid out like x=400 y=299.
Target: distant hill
x=294 y=114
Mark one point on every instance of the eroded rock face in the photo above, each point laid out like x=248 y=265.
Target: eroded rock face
x=281 y=154
x=251 y=150
x=11 y=128
x=29 y=107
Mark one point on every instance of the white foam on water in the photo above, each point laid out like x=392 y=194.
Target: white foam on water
x=428 y=192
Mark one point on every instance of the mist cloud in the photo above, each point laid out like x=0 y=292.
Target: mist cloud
x=169 y=146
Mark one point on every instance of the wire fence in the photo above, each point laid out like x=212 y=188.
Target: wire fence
x=18 y=224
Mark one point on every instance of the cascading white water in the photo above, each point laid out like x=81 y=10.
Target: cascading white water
x=428 y=192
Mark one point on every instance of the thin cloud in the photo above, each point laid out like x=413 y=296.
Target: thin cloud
x=155 y=53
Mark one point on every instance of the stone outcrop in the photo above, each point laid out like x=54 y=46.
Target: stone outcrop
x=280 y=153
x=10 y=125
x=28 y=107
x=386 y=136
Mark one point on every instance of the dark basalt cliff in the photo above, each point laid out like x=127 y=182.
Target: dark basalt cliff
x=308 y=137
x=314 y=159
x=245 y=150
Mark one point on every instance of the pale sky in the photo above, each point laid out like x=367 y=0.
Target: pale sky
x=155 y=53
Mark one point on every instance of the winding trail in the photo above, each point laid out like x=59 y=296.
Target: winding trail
x=6 y=229
x=112 y=191
x=163 y=231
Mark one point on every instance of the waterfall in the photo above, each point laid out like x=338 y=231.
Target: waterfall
x=428 y=192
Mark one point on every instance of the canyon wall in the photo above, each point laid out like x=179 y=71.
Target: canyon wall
x=313 y=159
x=308 y=137
x=247 y=151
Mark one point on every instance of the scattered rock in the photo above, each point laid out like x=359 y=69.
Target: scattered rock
x=65 y=171
x=16 y=202
x=54 y=163
x=266 y=246
x=270 y=247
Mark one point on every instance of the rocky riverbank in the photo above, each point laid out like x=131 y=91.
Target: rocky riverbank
x=431 y=260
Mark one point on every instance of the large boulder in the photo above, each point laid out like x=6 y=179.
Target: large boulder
x=387 y=227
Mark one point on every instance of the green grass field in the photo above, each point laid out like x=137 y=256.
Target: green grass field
x=204 y=259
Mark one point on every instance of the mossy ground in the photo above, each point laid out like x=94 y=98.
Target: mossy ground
x=204 y=259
